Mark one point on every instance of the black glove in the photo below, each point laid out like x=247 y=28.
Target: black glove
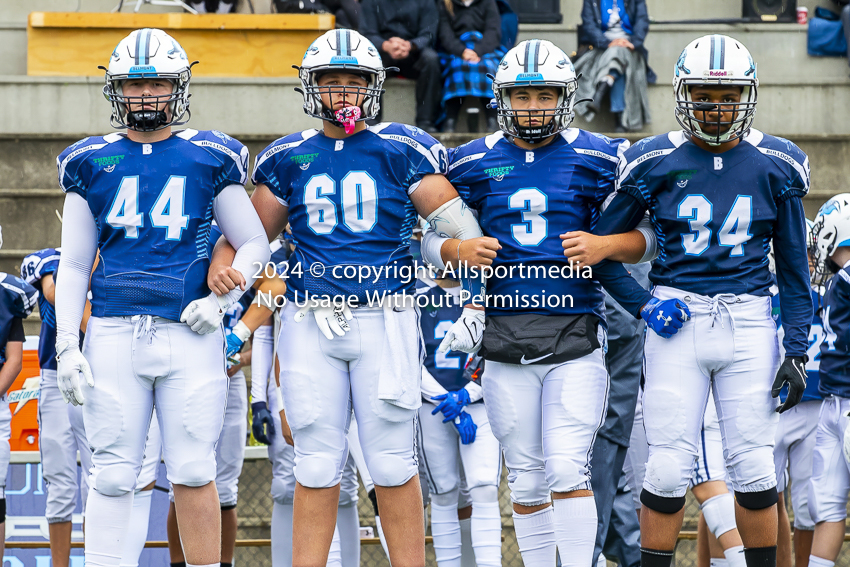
x=262 y=424
x=793 y=373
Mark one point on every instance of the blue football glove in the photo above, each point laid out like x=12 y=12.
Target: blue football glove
x=466 y=428
x=262 y=417
x=452 y=404
x=237 y=337
x=665 y=317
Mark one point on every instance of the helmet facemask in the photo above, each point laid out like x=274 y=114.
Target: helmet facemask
x=369 y=97
x=149 y=120
x=743 y=112
x=561 y=116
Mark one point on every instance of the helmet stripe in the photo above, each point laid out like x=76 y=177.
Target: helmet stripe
x=718 y=52
x=338 y=42
x=346 y=43
x=531 y=50
x=148 y=46
x=138 y=45
x=527 y=51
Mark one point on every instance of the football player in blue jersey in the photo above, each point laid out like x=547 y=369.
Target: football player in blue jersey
x=60 y=426
x=545 y=383
x=455 y=438
x=717 y=192
x=144 y=200
x=831 y=469
x=351 y=194
x=17 y=298
x=795 y=436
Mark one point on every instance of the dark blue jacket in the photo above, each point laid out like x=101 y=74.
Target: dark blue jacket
x=592 y=33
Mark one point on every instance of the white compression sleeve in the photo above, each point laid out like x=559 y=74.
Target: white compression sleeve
x=432 y=244
x=475 y=391
x=430 y=387
x=262 y=360
x=79 y=248
x=240 y=225
x=648 y=232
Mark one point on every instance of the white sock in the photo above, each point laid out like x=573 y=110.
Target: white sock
x=381 y=536
x=335 y=553
x=107 y=521
x=467 y=555
x=348 y=524
x=535 y=536
x=735 y=556
x=281 y=535
x=717 y=562
x=137 y=535
x=815 y=561
x=445 y=528
x=487 y=534
x=575 y=530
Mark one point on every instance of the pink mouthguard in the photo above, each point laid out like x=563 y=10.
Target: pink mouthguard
x=348 y=116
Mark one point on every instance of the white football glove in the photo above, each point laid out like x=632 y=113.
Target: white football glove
x=71 y=364
x=204 y=315
x=328 y=319
x=466 y=333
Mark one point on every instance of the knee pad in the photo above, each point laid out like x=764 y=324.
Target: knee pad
x=446 y=499
x=564 y=476
x=663 y=472
x=390 y=470
x=661 y=504
x=529 y=488
x=316 y=471
x=484 y=494
x=115 y=480
x=757 y=500
x=282 y=492
x=719 y=512
x=195 y=473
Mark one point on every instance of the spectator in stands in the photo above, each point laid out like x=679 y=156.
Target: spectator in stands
x=347 y=13
x=404 y=32
x=470 y=43
x=616 y=63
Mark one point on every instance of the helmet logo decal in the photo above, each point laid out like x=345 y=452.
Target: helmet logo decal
x=830 y=207
x=176 y=51
x=752 y=69
x=680 y=65
x=717 y=58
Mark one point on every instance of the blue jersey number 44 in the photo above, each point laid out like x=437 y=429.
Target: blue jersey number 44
x=167 y=210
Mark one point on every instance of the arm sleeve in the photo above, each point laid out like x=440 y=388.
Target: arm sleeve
x=262 y=360
x=792 y=274
x=621 y=286
x=369 y=23
x=428 y=21
x=622 y=214
x=432 y=245
x=240 y=225
x=448 y=39
x=492 y=31
x=430 y=387
x=16 y=332
x=79 y=247
x=475 y=391
x=591 y=27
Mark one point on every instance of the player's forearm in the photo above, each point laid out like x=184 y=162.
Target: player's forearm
x=269 y=290
x=262 y=349
x=792 y=274
x=242 y=228
x=628 y=248
x=621 y=286
x=619 y=215
x=13 y=365
x=79 y=247
x=475 y=391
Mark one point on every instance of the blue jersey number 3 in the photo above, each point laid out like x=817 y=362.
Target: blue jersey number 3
x=734 y=232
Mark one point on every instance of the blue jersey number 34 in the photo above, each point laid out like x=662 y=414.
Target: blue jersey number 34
x=734 y=232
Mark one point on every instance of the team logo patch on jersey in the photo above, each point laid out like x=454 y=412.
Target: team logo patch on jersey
x=414 y=131
x=108 y=163
x=304 y=160
x=498 y=173
x=682 y=177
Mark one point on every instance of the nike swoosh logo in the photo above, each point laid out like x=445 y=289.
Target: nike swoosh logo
x=524 y=360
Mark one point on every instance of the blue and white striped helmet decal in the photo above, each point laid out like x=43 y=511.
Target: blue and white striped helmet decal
x=343 y=42
x=717 y=58
x=532 y=50
x=143 y=46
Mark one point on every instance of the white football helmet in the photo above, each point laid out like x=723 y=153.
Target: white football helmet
x=348 y=51
x=710 y=61
x=535 y=63
x=147 y=54
x=831 y=230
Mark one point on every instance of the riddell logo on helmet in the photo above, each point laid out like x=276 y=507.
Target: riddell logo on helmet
x=713 y=73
